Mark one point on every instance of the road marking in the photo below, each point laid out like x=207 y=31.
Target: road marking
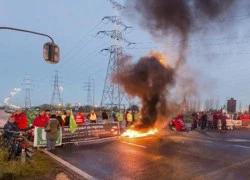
x=246 y=147
x=70 y=166
x=238 y=140
x=192 y=139
x=132 y=144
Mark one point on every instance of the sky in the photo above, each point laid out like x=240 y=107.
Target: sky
x=217 y=55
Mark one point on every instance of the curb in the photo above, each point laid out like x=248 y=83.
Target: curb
x=81 y=174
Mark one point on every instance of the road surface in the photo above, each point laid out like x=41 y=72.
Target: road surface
x=193 y=155
x=3 y=118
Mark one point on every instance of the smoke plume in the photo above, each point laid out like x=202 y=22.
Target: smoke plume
x=149 y=80
x=164 y=18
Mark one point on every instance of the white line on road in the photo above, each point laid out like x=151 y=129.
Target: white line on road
x=192 y=139
x=238 y=140
x=70 y=166
x=246 y=147
x=132 y=144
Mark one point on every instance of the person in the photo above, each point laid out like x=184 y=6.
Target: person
x=119 y=117
x=47 y=112
x=79 y=118
x=51 y=132
x=136 y=116
x=203 y=120
x=210 y=120
x=10 y=126
x=193 y=121
x=114 y=116
x=104 y=116
x=59 y=118
x=129 y=118
x=92 y=116
x=215 y=120
x=178 y=123
x=67 y=118
x=40 y=120
x=20 y=119
x=223 y=122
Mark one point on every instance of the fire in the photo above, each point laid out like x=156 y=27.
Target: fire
x=130 y=133
x=160 y=57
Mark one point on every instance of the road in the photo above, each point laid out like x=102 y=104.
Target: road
x=3 y=118
x=193 y=155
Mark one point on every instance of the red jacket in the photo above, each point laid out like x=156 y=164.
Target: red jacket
x=79 y=118
x=21 y=121
x=179 y=123
x=40 y=121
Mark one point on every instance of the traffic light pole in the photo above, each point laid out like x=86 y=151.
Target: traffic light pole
x=23 y=30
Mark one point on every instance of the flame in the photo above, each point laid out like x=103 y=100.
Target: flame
x=160 y=57
x=130 y=133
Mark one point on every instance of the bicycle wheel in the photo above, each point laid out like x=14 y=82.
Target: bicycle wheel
x=3 y=146
x=11 y=151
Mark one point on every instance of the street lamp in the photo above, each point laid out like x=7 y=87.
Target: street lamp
x=50 y=49
x=17 y=91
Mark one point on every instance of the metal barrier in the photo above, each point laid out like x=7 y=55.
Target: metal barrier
x=90 y=132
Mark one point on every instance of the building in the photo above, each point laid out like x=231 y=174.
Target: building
x=231 y=105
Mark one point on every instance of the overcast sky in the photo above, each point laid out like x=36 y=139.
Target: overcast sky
x=219 y=56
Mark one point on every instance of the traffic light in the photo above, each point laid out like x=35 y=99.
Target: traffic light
x=51 y=53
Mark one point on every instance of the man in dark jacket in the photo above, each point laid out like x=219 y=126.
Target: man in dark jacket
x=51 y=132
x=223 y=121
x=10 y=126
x=203 y=120
x=104 y=116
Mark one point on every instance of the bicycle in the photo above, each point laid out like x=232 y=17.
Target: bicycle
x=14 y=142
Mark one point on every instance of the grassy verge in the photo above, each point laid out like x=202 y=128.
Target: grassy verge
x=40 y=168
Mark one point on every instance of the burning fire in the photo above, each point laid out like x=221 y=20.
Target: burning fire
x=130 y=133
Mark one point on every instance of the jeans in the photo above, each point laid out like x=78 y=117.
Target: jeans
x=51 y=144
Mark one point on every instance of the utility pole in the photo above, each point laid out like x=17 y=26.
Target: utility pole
x=27 y=83
x=56 y=95
x=89 y=88
x=113 y=93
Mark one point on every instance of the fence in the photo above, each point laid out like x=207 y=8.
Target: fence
x=82 y=133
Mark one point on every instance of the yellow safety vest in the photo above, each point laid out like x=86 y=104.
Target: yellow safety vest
x=92 y=117
x=129 y=117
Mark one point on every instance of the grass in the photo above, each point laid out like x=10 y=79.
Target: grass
x=40 y=168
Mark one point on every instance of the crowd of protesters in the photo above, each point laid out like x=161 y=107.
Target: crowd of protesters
x=212 y=119
x=52 y=120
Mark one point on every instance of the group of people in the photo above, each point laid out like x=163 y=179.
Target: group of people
x=208 y=120
x=119 y=116
x=49 y=120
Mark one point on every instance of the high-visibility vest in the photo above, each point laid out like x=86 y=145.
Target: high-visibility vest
x=92 y=117
x=136 y=116
x=129 y=117
x=119 y=116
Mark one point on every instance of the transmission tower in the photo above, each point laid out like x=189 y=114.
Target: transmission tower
x=113 y=93
x=89 y=88
x=56 y=95
x=27 y=83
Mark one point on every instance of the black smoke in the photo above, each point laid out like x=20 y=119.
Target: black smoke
x=149 y=80
x=165 y=18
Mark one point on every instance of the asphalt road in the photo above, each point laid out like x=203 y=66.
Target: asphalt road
x=194 y=155
x=3 y=118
